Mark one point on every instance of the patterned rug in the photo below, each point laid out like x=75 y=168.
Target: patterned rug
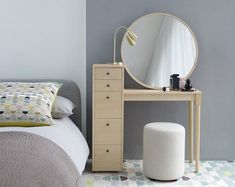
x=212 y=174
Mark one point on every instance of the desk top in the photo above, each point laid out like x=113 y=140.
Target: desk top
x=159 y=95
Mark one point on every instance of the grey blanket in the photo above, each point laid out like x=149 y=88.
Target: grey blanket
x=29 y=160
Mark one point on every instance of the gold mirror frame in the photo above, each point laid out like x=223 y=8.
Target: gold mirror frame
x=164 y=14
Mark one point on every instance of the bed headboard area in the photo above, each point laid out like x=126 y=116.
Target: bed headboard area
x=69 y=90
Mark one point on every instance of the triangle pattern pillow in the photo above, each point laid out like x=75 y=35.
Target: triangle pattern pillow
x=27 y=104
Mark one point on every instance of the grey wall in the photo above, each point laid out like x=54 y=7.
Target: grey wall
x=214 y=26
x=43 y=40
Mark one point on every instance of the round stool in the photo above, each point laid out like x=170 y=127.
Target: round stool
x=163 y=151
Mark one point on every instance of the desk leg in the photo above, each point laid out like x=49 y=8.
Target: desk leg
x=191 y=145
x=198 y=116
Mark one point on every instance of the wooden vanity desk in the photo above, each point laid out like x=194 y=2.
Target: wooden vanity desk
x=109 y=95
x=193 y=98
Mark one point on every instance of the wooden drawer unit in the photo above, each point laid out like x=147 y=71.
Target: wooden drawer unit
x=107 y=125
x=108 y=85
x=108 y=104
x=108 y=73
x=108 y=131
x=108 y=158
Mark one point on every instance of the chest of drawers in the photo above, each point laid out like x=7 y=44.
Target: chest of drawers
x=107 y=124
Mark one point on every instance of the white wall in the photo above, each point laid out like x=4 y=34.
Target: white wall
x=44 y=39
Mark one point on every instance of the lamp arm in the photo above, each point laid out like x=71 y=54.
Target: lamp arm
x=114 y=42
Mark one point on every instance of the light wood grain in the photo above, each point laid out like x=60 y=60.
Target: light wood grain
x=108 y=73
x=108 y=131
x=158 y=95
x=108 y=65
x=198 y=130
x=108 y=105
x=93 y=117
x=107 y=109
x=191 y=129
x=108 y=158
x=108 y=85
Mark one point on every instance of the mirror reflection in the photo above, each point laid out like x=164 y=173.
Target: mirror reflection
x=165 y=46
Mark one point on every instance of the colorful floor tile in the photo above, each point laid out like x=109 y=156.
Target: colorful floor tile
x=212 y=174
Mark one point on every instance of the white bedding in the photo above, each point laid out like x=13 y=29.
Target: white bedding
x=66 y=135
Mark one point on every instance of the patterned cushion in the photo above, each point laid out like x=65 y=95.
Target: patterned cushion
x=27 y=104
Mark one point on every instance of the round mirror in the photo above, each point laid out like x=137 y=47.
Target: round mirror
x=165 y=45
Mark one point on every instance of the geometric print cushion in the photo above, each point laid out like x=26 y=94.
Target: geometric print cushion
x=27 y=104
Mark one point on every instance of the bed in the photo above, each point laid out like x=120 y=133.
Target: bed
x=50 y=156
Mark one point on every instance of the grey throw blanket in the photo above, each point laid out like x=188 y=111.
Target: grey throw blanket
x=29 y=160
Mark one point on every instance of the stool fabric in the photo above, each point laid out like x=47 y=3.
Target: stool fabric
x=164 y=151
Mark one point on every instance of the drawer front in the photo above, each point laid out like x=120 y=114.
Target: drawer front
x=108 y=105
x=108 y=85
x=108 y=131
x=108 y=73
x=108 y=158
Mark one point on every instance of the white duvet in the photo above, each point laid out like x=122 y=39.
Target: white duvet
x=66 y=135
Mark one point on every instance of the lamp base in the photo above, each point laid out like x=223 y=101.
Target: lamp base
x=117 y=63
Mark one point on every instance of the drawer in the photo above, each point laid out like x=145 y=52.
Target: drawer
x=108 y=85
x=108 y=104
x=107 y=158
x=108 y=131
x=108 y=73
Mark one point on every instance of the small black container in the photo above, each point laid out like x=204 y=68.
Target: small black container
x=188 y=86
x=175 y=80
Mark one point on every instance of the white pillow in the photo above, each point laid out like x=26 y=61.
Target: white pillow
x=62 y=107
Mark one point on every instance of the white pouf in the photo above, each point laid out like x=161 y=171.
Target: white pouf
x=164 y=151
